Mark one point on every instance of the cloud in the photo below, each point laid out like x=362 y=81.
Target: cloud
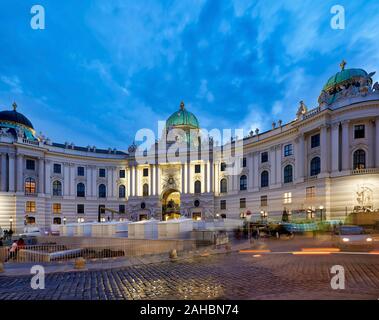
x=13 y=82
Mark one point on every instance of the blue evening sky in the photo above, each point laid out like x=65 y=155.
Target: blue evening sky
x=103 y=69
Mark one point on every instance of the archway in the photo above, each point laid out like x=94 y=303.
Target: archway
x=170 y=204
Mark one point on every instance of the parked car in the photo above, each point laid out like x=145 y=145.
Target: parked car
x=352 y=237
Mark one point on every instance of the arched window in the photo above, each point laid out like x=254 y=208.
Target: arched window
x=315 y=166
x=264 y=179
x=81 y=190
x=197 y=186
x=223 y=186
x=57 y=188
x=243 y=183
x=145 y=190
x=359 y=161
x=121 y=191
x=288 y=174
x=30 y=186
x=102 y=191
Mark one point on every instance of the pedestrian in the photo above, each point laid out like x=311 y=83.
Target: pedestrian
x=20 y=244
x=1 y=242
x=12 y=251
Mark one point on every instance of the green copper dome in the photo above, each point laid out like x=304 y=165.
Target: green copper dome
x=182 y=118
x=343 y=76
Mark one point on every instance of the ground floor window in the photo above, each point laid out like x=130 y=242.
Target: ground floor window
x=57 y=220
x=196 y=215
x=223 y=204
x=30 y=206
x=57 y=208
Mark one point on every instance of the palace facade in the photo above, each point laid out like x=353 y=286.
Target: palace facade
x=324 y=163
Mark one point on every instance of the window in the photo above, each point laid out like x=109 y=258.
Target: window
x=223 y=166
x=287 y=198
x=30 y=164
x=196 y=203
x=57 y=220
x=244 y=162
x=30 y=206
x=359 y=131
x=264 y=201
x=102 y=191
x=243 y=183
x=310 y=192
x=145 y=190
x=122 y=174
x=223 y=186
x=143 y=205
x=264 y=157
x=57 y=168
x=146 y=172
x=288 y=150
x=359 y=159
x=315 y=141
x=57 y=208
x=315 y=166
x=81 y=171
x=57 y=188
x=30 y=186
x=197 y=168
x=288 y=174
x=121 y=191
x=80 y=190
x=101 y=209
x=80 y=209
x=242 y=203
x=102 y=173
x=197 y=186
x=264 y=179
x=121 y=208
x=223 y=204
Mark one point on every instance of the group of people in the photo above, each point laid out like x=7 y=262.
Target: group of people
x=14 y=248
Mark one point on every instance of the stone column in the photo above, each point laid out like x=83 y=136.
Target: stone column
x=154 y=189
x=94 y=181
x=217 y=177
x=3 y=181
x=20 y=169
x=47 y=177
x=131 y=181
x=255 y=170
x=335 y=147
x=188 y=177
x=377 y=142
x=151 y=183
x=157 y=181
x=72 y=180
x=370 y=157
x=211 y=176
x=324 y=149
x=114 y=182
x=273 y=165
x=301 y=159
x=109 y=182
x=136 y=181
x=345 y=146
x=41 y=169
x=11 y=172
x=250 y=167
x=183 y=171
x=66 y=178
x=278 y=164
x=89 y=181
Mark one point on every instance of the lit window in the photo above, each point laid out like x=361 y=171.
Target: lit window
x=287 y=197
x=57 y=208
x=30 y=186
x=310 y=192
x=80 y=220
x=30 y=206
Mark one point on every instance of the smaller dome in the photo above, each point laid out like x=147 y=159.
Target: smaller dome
x=182 y=118
x=14 y=116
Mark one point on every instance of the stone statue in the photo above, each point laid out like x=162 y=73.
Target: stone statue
x=375 y=87
x=302 y=109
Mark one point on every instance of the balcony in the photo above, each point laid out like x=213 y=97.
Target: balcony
x=365 y=171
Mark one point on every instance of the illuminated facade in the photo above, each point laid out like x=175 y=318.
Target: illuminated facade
x=323 y=163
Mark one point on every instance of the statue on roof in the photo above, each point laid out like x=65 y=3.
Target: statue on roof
x=301 y=110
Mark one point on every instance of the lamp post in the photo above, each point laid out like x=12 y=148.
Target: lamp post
x=64 y=220
x=10 y=224
x=263 y=215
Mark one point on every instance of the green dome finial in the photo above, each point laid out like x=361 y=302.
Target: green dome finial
x=342 y=65
x=183 y=119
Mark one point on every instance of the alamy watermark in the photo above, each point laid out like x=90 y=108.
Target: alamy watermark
x=37 y=22
x=338 y=20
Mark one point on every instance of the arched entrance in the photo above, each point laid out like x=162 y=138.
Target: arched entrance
x=170 y=204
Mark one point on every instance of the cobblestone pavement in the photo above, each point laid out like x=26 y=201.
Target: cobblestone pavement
x=225 y=276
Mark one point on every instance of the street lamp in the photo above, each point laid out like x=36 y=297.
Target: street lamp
x=263 y=215
x=321 y=213
x=10 y=224
x=64 y=220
